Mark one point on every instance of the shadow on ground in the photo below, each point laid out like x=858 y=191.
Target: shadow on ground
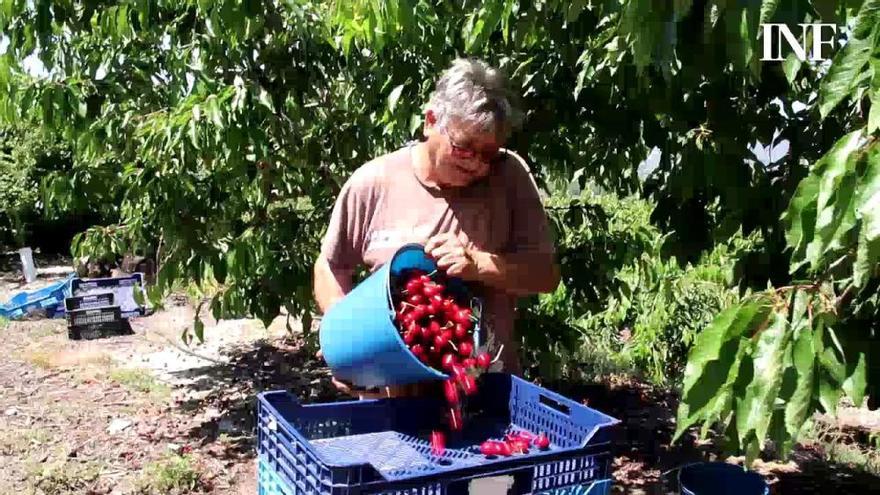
x=224 y=395
x=646 y=462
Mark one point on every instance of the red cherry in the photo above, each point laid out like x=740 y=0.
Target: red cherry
x=490 y=447
x=484 y=360
x=460 y=331
x=415 y=299
x=414 y=286
x=438 y=443
x=418 y=350
x=450 y=391
x=440 y=341
x=434 y=328
x=410 y=337
x=541 y=441
x=449 y=360
x=447 y=334
x=504 y=449
x=469 y=363
x=463 y=316
x=434 y=308
x=419 y=312
x=448 y=303
x=468 y=384
x=455 y=419
x=438 y=299
x=519 y=445
x=465 y=349
x=458 y=371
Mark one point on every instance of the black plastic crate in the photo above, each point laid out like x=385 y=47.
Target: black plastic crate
x=93 y=316
x=88 y=302
x=100 y=330
x=122 y=288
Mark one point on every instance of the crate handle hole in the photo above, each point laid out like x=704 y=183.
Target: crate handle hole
x=554 y=404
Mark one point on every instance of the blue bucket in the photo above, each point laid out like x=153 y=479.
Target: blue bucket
x=359 y=338
x=720 y=478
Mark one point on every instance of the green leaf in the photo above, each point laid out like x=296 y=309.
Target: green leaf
x=791 y=66
x=804 y=360
x=755 y=410
x=855 y=384
x=266 y=100
x=768 y=8
x=843 y=75
x=867 y=19
x=715 y=351
x=393 y=97
x=199 y=329
x=800 y=219
x=868 y=213
x=835 y=202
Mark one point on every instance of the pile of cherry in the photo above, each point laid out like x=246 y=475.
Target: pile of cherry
x=438 y=329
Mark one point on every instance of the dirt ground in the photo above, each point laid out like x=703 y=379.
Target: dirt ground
x=143 y=414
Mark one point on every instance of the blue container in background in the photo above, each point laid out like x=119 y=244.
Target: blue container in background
x=359 y=338
x=720 y=478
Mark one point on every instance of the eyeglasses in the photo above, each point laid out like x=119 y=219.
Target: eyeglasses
x=466 y=153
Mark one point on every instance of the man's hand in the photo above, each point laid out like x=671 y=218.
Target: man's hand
x=452 y=256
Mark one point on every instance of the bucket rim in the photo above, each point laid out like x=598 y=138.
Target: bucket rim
x=721 y=466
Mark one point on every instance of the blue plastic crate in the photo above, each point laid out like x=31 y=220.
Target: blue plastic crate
x=49 y=299
x=122 y=289
x=382 y=446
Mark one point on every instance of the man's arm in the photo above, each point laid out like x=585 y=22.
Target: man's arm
x=330 y=285
x=521 y=274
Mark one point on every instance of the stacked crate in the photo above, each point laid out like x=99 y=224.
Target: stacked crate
x=101 y=307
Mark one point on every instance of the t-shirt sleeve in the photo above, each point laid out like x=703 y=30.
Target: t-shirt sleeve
x=343 y=243
x=530 y=227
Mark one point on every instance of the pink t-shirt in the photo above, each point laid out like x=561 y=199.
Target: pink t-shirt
x=383 y=206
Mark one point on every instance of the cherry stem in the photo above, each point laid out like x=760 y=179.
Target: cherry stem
x=432 y=273
x=498 y=356
x=408 y=304
x=453 y=346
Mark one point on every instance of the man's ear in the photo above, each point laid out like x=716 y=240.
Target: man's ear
x=430 y=122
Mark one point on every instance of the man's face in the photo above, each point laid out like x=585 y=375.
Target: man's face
x=463 y=155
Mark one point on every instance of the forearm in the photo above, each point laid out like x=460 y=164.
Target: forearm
x=330 y=285
x=520 y=274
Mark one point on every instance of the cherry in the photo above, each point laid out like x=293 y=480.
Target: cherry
x=419 y=312
x=458 y=370
x=418 y=350
x=450 y=390
x=447 y=334
x=463 y=316
x=413 y=286
x=438 y=443
x=410 y=337
x=455 y=419
x=435 y=308
x=469 y=362
x=504 y=449
x=468 y=384
x=484 y=360
x=441 y=341
x=434 y=328
x=519 y=446
x=448 y=361
x=438 y=299
x=490 y=448
x=460 y=331
x=541 y=441
x=415 y=299
x=465 y=349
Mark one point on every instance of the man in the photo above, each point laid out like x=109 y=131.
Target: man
x=471 y=203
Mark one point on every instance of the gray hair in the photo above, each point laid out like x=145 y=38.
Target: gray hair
x=475 y=93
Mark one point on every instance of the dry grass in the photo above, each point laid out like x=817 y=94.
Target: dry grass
x=141 y=381
x=52 y=357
